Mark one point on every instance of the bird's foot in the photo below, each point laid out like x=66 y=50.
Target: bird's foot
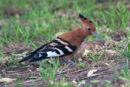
x=70 y=62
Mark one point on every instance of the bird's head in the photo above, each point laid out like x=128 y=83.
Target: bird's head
x=89 y=27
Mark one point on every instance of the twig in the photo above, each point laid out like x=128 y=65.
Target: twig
x=61 y=72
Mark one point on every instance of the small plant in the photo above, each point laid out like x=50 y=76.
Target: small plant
x=124 y=73
x=82 y=65
x=49 y=73
x=63 y=83
x=20 y=83
x=125 y=49
x=97 y=58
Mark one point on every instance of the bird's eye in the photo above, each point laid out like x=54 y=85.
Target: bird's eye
x=89 y=29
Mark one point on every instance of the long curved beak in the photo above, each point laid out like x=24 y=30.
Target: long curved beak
x=98 y=37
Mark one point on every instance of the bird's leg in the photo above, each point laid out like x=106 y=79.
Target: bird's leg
x=72 y=62
x=69 y=61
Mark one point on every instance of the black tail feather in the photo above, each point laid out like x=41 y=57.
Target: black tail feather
x=26 y=58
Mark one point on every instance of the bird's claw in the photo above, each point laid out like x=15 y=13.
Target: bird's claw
x=70 y=62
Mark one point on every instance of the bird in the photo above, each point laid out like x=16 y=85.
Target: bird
x=65 y=45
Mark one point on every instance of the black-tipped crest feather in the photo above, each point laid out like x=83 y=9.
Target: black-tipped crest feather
x=81 y=16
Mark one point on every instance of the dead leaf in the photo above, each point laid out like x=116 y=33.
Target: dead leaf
x=90 y=73
x=74 y=82
x=94 y=81
x=22 y=63
x=111 y=61
x=80 y=59
x=107 y=64
x=49 y=60
x=82 y=82
x=8 y=80
x=38 y=69
x=85 y=53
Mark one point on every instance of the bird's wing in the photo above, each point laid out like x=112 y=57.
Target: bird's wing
x=31 y=55
x=52 y=52
x=41 y=47
x=56 y=48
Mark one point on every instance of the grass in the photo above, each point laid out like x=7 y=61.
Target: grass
x=96 y=57
x=125 y=48
x=49 y=72
x=42 y=20
x=124 y=74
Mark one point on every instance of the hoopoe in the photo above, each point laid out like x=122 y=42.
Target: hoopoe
x=65 y=45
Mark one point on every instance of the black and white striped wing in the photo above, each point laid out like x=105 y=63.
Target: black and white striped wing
x=56 y=51
x=57 y=48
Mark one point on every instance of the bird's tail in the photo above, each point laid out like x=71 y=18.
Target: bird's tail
x=27 y=58
x=32 y=58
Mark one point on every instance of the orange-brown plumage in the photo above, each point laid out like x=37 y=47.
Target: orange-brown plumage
x=77 y=36
x=66 y=45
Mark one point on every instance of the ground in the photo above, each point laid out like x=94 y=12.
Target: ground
x=26 y=25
